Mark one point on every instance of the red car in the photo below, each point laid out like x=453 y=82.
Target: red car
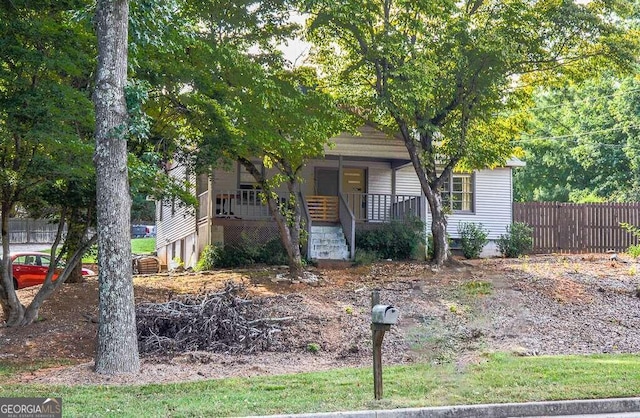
x=30 y=269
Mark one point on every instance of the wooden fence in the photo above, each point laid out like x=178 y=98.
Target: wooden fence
x=31 y=231
x=578 y=228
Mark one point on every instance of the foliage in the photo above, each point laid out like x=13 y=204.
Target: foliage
x=208 y=258
x=633 y=250
x=473 y=237
x=313 y=348
x=365 y=257
x=478 y=288
x=583 y=143
x=397 y=240
x=517 y=241
x=250 y=252
x=441 y=74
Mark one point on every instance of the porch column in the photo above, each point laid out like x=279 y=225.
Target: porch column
x=394 y=215
x=340 y=174
x=211 y=207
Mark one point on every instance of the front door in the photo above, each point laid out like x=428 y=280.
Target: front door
x=327 y=182
x=354 y=184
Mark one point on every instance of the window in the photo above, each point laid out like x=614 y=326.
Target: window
x=457 y=192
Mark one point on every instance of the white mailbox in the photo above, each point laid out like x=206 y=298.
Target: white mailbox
x=384 y=314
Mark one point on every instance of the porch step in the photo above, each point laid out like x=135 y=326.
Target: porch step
x=328 y=243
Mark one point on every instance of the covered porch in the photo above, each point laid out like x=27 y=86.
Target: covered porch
x=350 y=211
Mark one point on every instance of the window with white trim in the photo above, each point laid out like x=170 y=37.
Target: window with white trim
x=458 y=192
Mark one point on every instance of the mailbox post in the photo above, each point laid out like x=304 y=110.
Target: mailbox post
x=382 y=317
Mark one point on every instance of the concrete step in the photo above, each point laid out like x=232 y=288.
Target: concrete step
x=328 y=243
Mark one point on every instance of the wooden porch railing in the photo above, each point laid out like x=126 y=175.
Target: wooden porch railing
x=382 y=207
x=323 y=208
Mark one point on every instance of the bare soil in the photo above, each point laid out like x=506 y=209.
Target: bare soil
x=574 y=304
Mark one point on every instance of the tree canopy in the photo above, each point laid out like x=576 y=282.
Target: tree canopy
x=447 y=75
x=583 y=143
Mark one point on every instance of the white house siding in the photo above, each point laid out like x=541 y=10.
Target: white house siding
x=407 y=181
x=176 y=230
x=493 y=208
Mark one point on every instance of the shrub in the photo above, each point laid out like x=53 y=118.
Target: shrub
x=517 y=241
x=252 y=252
x=397 y=240
x=209 y=258
x=634 y=250
x=365 y=257
x=473 y=238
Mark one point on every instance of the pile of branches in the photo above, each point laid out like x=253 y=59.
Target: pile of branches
x=223 y=322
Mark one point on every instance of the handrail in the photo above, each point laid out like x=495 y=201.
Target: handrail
x=348 y=222
x=308 y=221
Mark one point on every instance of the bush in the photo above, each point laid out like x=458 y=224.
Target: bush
x=365 y=257
x=634 y=251
x=250 y=252
x=209 y=258
x=473 y=238
x=398 y=240
x=517 y=241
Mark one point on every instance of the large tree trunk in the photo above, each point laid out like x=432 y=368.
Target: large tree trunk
x=12 y=308
x=289 y=231
x=424 y=163
x=117 y=348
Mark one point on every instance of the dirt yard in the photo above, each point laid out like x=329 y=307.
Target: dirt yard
x=531 y=306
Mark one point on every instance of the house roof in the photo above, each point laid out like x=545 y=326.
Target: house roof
x=374 y=144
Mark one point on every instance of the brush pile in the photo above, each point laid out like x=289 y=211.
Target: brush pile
x=223 y=322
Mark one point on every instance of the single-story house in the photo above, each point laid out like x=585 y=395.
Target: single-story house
x=361 y=182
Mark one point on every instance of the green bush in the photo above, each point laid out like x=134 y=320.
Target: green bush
x=473 y=238
x=397 y=240
x=365 y=257
x=517 y=241
x=209 y=258
x=634 y=250
x=250 y=252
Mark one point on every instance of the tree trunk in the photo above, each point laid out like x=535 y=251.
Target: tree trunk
x=117 y=348
x=425 y=166
x=12 y=308
x=439 y=234
x=73 y=242
x=289 y=231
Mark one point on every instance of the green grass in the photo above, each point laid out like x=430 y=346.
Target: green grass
x=500 y=379
x=143 y=245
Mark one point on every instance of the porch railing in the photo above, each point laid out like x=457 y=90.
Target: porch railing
x=203 y=205
x=381 y=207
x=323 y=208
x=239 y=204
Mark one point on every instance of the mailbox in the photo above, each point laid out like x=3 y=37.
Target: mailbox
x=384 y=314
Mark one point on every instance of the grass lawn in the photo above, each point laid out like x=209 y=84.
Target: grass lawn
x=143 y=245
x=500 y=379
